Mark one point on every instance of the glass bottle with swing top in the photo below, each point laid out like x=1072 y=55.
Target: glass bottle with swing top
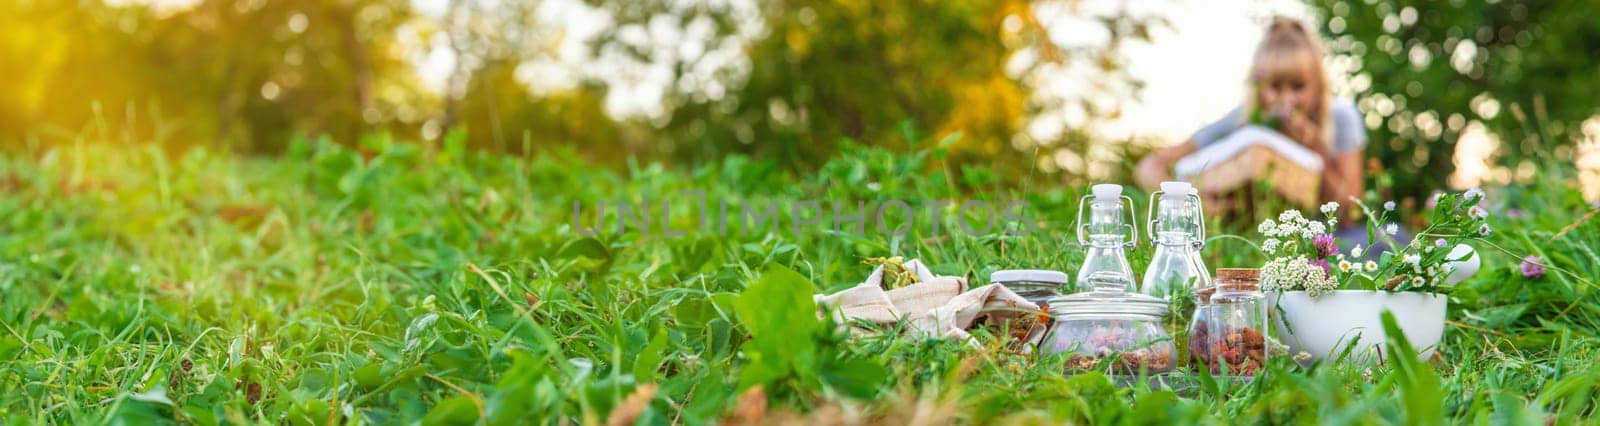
x=1106 y=235
x=1177 y=230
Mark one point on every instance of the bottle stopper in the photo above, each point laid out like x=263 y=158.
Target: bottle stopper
x=1107 y=192
x=1176 y=191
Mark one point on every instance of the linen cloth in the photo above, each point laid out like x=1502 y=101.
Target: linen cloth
x=935 y=306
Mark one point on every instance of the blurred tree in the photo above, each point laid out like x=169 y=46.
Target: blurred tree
x=818 y=71
x=501 y=114
x=781 y=79
x=489 y=43
x=45 y=54
x=1427 y=70
x=253 y=72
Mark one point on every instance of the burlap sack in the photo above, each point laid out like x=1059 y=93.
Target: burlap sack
x=935 y=306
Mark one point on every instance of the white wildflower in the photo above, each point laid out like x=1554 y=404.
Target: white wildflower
x=1345 y=265
x=1483 y=230
x=1478 y=212
x=1270 y=246
x=1316 y=228
x=1355 y=251
x=1413 y=259
x=1388 y=205
x=1370 y=266
x=1302 y=357
x=1276 y=348
x=1440 y=243
x=1290 y=216
x=1330 y=207
x=1268 y=228
x=1474 y=193
x=1296 y=273
x=1288 y=229
x=1418 y=281
x=1391 y=229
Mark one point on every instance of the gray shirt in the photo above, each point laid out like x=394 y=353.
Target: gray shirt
x=1348 y=132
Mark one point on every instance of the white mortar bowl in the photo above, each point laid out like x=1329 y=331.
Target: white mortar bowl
x=1323 y=326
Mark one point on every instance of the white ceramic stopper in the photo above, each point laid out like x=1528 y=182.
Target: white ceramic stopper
x=1176 y=191
x=1107 y=192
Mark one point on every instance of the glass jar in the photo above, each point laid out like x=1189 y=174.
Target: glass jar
x=1236 y=324
x=1036 y=285
x=1110 y=327
x=1195 y=336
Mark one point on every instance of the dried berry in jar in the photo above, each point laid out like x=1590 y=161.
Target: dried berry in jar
x=1110 y=329
x=1230 y=338
x=1122 y=344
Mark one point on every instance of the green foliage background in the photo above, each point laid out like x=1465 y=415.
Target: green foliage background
x=1526 y=70
x=249 y=75
x=376 y=257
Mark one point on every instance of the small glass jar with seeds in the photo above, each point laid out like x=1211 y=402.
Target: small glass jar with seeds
x=1234 y=328
x=1036 y=285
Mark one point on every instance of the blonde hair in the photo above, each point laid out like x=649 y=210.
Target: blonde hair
x=1290 y=49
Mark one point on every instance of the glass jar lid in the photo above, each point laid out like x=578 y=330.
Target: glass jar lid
x=1241 y=274
x=1109 y=297
x=1030 y=275
x=1203 y=296
x=1238 y=279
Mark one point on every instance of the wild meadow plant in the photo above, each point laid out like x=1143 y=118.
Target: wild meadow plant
x=1306 y=254
x=389 y=283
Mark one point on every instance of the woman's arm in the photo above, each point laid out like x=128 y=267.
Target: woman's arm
x=1157 y=167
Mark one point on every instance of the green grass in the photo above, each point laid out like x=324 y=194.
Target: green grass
x=396 y=284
